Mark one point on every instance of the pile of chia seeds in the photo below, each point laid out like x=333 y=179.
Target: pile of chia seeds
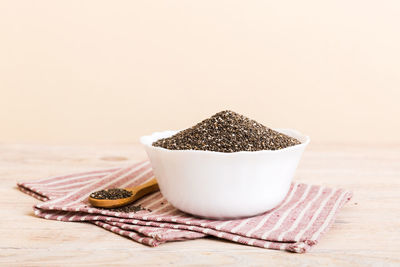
x=113 y=193
x=228 y=132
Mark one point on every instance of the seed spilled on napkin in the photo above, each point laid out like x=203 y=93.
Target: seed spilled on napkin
x=228 y=132
x=128 y=208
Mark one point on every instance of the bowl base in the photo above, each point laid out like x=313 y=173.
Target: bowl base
x=226 y=217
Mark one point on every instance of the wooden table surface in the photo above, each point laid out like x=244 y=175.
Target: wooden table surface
x=365 y=233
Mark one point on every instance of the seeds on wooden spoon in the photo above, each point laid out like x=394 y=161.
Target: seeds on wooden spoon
x=113 y=193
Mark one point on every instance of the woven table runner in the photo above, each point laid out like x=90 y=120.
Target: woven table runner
x=295 y=225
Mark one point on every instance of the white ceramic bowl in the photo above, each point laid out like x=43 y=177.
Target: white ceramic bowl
x=224 y=185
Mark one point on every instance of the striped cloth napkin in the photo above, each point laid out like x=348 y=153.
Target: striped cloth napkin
x=295 y=225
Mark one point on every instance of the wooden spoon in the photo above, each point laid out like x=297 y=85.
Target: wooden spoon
x=137 y=192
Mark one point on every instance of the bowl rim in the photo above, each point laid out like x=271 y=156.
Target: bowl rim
x=290 y=148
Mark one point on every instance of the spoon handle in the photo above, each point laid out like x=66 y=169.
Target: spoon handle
x=144 y=189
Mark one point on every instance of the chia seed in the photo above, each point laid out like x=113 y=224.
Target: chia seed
x=113 y=193
x=228 y=132
x=128 y=208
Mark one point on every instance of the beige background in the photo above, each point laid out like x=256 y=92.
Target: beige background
x=110 y=71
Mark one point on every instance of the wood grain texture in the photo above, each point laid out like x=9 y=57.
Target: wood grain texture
x=365 y=233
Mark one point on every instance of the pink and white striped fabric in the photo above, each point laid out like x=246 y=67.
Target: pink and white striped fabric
x=295 y=225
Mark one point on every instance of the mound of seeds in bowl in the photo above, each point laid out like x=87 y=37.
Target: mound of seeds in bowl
x=228 y=132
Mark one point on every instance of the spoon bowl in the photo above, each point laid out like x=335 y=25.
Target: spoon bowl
x=137 y=192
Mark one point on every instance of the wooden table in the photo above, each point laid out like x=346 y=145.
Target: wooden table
x=366 y=232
